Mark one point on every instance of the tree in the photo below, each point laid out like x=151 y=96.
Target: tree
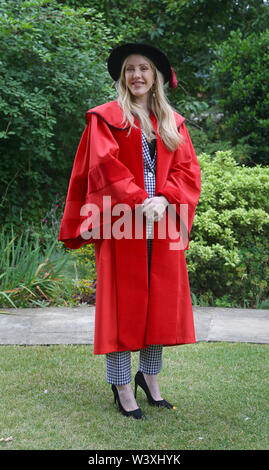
x=240 y=77
x=52 y=71
x=188 y=30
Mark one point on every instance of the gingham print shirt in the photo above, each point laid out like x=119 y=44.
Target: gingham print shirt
x=149 y=177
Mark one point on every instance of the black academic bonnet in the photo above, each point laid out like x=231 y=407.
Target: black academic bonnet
x=159 y=58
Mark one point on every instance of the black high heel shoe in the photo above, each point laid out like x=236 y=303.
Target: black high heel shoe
x=137 y=414
x=140 y=380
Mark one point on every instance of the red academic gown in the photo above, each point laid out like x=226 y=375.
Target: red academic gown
x=132 y=313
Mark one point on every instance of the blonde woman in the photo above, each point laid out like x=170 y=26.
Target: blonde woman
x=133 y=191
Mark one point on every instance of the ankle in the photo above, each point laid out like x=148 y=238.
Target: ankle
x=152 y=383
x=150 y=378
x=124 y=387
x=126 y=397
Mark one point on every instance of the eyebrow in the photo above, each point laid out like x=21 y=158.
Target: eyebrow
x=144 y=63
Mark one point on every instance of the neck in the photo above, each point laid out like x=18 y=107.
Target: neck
x=143 y=101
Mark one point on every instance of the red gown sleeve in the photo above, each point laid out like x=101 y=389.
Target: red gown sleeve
x=96 y=172
x=183 y=184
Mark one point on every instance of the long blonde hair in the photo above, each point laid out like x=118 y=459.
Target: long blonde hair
x=163 y=111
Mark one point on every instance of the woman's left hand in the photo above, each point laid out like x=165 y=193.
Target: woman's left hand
x=154 y=208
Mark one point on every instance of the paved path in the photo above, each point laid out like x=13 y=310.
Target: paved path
x=76 y=325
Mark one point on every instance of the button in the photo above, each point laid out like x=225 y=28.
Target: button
x=150 y=174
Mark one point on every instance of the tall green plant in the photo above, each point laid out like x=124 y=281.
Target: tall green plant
x=29 y=273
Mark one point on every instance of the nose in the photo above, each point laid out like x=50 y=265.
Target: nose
x=137 y=73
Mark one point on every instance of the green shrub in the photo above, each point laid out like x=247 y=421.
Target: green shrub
x=52 y=69
x=208 y=140
x=229 y=248
x=84 y=290
x=240 y=78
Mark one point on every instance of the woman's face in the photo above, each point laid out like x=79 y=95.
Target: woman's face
x=139 y=75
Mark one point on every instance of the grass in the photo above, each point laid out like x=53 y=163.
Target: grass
x=57 y=397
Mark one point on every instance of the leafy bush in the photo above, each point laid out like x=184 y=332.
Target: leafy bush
x=85 y=271
x=49 y=223
x=229 y=250
x=240 y=76
x=52 y=67
x=208 y=140
x=86 y=291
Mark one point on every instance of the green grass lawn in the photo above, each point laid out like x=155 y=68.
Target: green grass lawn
x=57 y=397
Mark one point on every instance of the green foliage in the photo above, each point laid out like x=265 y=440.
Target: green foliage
x=80 y=266
x=37 y=269
x=86 y=277
x=191 y=31
x=241 y=76
x=229 y=248
x=85 y=259
x=188 y=30
x=49 y=223
x=52 y=70
x=86 y=291
x=29 y=272
x=209 y=143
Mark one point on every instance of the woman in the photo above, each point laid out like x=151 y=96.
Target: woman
x=135 y=157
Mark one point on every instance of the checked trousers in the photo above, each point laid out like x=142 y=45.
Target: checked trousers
x=118 y=364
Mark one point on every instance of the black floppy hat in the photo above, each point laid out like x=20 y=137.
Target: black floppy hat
x=158 y=57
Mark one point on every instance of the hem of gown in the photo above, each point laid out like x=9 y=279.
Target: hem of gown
x=179 y=342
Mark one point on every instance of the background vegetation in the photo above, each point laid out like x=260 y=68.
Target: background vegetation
x=53 y=69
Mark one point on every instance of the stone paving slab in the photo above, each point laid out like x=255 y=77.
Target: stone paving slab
x=243 y=325
x=231 y=324
x=67 y=325
x=47 y=325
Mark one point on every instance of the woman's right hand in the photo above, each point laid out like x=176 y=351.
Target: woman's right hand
x=154 y=208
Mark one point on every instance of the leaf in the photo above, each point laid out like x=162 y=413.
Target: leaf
x=7 y=297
